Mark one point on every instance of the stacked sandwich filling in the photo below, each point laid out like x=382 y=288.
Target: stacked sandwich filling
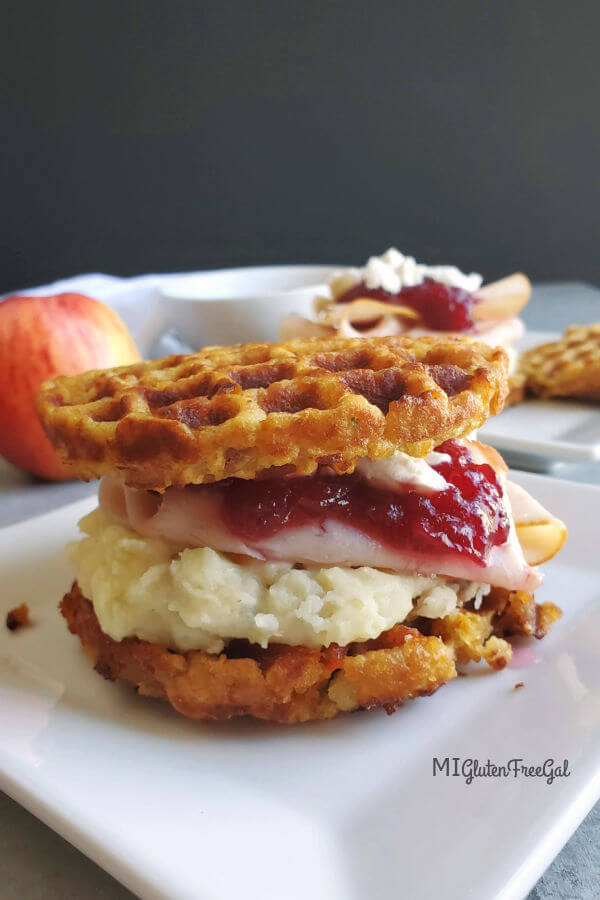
x=301 y=529
x=309 y=560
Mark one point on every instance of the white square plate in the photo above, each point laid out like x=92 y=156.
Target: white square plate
x=546 y=431
x=343 y=809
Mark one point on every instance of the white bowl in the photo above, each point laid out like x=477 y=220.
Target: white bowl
x=229 y=306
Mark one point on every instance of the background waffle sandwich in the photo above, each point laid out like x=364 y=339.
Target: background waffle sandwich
x=393 y=294
x=569 y=367
x=298 y=529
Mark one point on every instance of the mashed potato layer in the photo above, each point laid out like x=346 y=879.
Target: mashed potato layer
x=198 y=599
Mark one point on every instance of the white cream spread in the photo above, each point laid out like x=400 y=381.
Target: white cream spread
x=400 y=469
x=198 y=598
x=393 y=271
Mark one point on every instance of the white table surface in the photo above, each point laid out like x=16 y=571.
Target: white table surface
x=36 y=864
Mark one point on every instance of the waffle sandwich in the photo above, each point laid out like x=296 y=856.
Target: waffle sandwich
x=393 y=294
x=295 y=530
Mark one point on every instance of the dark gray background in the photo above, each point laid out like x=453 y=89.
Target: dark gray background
x=171 y=135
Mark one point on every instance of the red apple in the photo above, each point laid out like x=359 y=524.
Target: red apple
x=41 y=337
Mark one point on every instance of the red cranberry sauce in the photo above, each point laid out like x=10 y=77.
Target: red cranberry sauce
x=440 y=308
x=468 y=518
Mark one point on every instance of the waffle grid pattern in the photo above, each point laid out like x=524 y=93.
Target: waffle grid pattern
x=236 y=411
x=569 y=367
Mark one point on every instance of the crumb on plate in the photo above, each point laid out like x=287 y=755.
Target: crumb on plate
x=18 y=617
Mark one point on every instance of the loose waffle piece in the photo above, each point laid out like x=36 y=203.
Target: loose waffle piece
x=569 y=367
x=299 y=684
x=475 y=635
x=235 y=411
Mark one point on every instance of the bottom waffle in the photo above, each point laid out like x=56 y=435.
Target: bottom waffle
x=299 y=684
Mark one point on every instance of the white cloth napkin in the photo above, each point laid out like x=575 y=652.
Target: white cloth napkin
x=137 y=300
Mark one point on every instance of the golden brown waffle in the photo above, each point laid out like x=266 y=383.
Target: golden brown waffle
x=299 y=684
x=569 y=367
x=235 y=411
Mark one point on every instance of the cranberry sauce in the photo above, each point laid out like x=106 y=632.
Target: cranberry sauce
x=440 y=308
x=467 y=518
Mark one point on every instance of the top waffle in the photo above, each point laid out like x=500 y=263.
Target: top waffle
x=236 y=411
x=569 y=367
